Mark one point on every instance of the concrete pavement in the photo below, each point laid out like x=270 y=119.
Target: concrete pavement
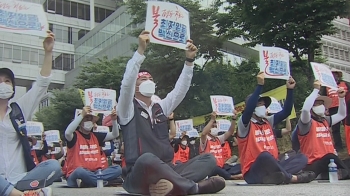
x=311 y=189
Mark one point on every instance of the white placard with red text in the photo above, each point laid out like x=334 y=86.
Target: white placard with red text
x=168 y=24
x=102 y=129
x=274 y=62
x=23 y=18
x=274 y=107
x=184 y=125
x=100 y=100
x=222 y=105
x=323 y=74
x=192 y=133
x=223 y=125
x=52 y=136
x=79 y=111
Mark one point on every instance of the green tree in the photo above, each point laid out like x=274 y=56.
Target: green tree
x=61 y=110
x=296 y=26
x=104 y=73
x=165 y=63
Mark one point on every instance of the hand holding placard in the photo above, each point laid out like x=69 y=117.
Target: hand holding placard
x=261 y=78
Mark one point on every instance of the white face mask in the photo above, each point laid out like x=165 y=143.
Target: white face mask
x=184 y=143
x=147 y=88
x=49 y=152
x=319 y=110
x=6 y=90
x=88 y=125
x=30 y=144
x=192 y=142
x=214 y=131
x=260 y=111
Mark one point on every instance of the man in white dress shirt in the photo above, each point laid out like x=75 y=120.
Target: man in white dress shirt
x=18 y=173
x=147 y=150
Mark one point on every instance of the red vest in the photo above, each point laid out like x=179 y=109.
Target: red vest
x=35 y=158
x=123 y=162
x=214 y=148
x=331 y=93
x=318 y=142
x=226 y=151
x=85 y=153
x=182 y=155
x=259 y=139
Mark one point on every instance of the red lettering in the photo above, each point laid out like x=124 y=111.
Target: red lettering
x=15 y=6
x=155 y=11
x=90 y=96
x=266 y=57
x=178 y=14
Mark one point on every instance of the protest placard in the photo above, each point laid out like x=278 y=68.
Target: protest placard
x=168 y=24
x=274 y=62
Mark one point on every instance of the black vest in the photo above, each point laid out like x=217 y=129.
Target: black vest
x=141 y=135
x=18 y=123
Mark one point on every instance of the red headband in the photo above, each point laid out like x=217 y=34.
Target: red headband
x=143 y=74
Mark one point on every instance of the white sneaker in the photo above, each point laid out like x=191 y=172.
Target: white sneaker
x=79 y=183
x=47 y=191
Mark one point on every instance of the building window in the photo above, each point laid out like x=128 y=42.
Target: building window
x=7 y=52
x=65 y=34
x=75 y=10
x=81 y=33
x=70 y=35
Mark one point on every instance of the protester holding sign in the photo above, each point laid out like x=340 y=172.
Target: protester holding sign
x=181 y=149
x=38 y=153
x=333 y=108
x=146 y=134
x=84 y=151
x=314 y=133
x=20 y=171
x=255 y=135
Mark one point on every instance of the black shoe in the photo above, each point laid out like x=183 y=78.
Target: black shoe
x=211 y=185
x=274 y=178
x=306 y=177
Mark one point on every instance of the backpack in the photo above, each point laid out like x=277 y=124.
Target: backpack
x=19 y=124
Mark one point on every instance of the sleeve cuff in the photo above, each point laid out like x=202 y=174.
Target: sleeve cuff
x=138 y=57
x=43 y=81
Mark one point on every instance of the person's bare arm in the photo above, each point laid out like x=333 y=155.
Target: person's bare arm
x=288 y=127
x=207 y=128
x=232 y=128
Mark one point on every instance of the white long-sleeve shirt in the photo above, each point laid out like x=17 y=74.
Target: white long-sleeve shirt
x=125 y=105
x=12 y=163
x=304 y=122
x=72 y=127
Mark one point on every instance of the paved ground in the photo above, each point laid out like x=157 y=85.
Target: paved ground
x=312 y=189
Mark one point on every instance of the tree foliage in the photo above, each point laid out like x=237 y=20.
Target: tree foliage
x=165 y=63
x=104 y=73
x=61 y=110
x=296 y=26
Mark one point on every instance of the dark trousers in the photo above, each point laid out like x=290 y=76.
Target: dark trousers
x=265 y=164
x=338 y=144
x=227 y=171
x=321 y=165
x=149 y=169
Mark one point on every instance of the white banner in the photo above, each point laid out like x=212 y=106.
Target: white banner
x=23 y=17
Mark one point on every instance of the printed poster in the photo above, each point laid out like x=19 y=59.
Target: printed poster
x=107 y=146
x=52 y=136
x=274 y=62
x=79 y=111
x=101 y=100
x=222 y=105
x=274 y=107
x=23 y=17
x=34 y=128
x=102 y=129
x=192 y=133
x=223 y=125
x=184 y=125
x=323 y=74
x=168 y=24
